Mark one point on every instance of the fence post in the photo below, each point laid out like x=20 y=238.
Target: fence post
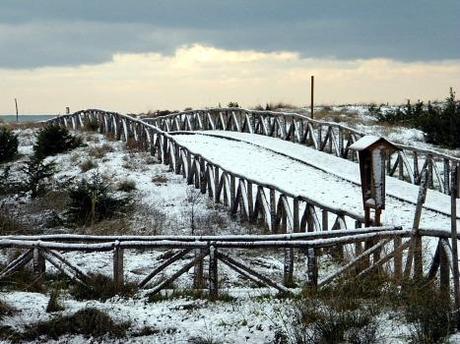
x=198 y=271
x=118 y=275
x=312 y=268
x=39 y=265
x=453 y=213
x=213 y=278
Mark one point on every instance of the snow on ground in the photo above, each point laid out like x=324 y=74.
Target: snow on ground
x=298 y=178
x=250 y=318
x=342 y=168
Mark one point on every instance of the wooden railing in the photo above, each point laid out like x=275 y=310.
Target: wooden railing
x=297 y=223
x=278 y=210
x=361 y=251
x=408 y=164
x=51 y=249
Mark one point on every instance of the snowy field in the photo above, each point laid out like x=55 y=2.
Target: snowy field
x=163 y=206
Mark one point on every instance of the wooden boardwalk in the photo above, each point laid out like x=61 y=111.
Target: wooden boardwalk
x=297 y=223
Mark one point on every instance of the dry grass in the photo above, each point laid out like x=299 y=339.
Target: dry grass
x=87 y=165
x=55 y=200
x=119 y=226
x=134 y=146
x=99 y=152
x=10 y=223
x=23 y=125
x=159 y=180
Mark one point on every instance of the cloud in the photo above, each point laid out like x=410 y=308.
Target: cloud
x=57 y=33
x=201 y=75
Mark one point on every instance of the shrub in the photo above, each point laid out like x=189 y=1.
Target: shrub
x=233 y=105
x=91 y=125
x=126 y=185
x=87 y=165
x=53 y=304
x=5 y=310
x=429 y=311
x=100 y=151
x=87 y=322
x=441 y=124
x=38 y=174
x=100 y=287
x=91 y=201
x=8 y=145
x=54 y=139
x=9 y=223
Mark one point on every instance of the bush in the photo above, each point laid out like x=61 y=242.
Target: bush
x=9 y=223
x=100 y=287
x=87 y=165
x=440 y=123
x=38 y=174
x=126 y=185
x=88 y=322
x=8 y=145
x=91 y=125
x=91 y=201
x=54 y=139
x=430 y=313
x=233 y=105
x=53 y=304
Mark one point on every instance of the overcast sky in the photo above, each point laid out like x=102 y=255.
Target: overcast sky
x=140 y=55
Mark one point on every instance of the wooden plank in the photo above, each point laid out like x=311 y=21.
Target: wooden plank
x=226 y=258
x=178 y=255
x=353 y=263
x=176 y=275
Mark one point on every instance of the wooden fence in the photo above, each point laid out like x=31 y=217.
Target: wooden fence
x=310 y=225
x=280 y=211
x=408 y=164
x=363 y=251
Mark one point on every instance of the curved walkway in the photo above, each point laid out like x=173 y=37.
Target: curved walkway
x=305 y=171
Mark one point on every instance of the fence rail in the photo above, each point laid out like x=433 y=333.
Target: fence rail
x=296 y=222
x=408 y=164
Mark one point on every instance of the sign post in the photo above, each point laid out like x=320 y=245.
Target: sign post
x=372 y=151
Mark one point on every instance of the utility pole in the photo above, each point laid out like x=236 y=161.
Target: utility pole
x=312 y=91
x=17 y=112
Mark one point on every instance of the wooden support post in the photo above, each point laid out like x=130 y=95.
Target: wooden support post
x=39 y=265
x=273 y=211
x=216 y=184
x=250 y=203
x=324 y=220
x=17 y=111
x=444 y=272
x=455 y=192
x=397 y=261
x=233 y=200
x=289 y=267
x=118 y=274
x=213 y=277
x=312 y=268
x=198 y=281
x=312 y=95
x=296 y=216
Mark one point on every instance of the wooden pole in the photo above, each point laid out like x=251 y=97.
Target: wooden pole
x=17 y=111
x=312 y=92
x=454 y=193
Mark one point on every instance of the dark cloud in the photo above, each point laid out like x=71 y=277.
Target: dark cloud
x=56 y=32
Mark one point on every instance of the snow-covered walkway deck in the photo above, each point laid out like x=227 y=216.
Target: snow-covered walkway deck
x=313 y=174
